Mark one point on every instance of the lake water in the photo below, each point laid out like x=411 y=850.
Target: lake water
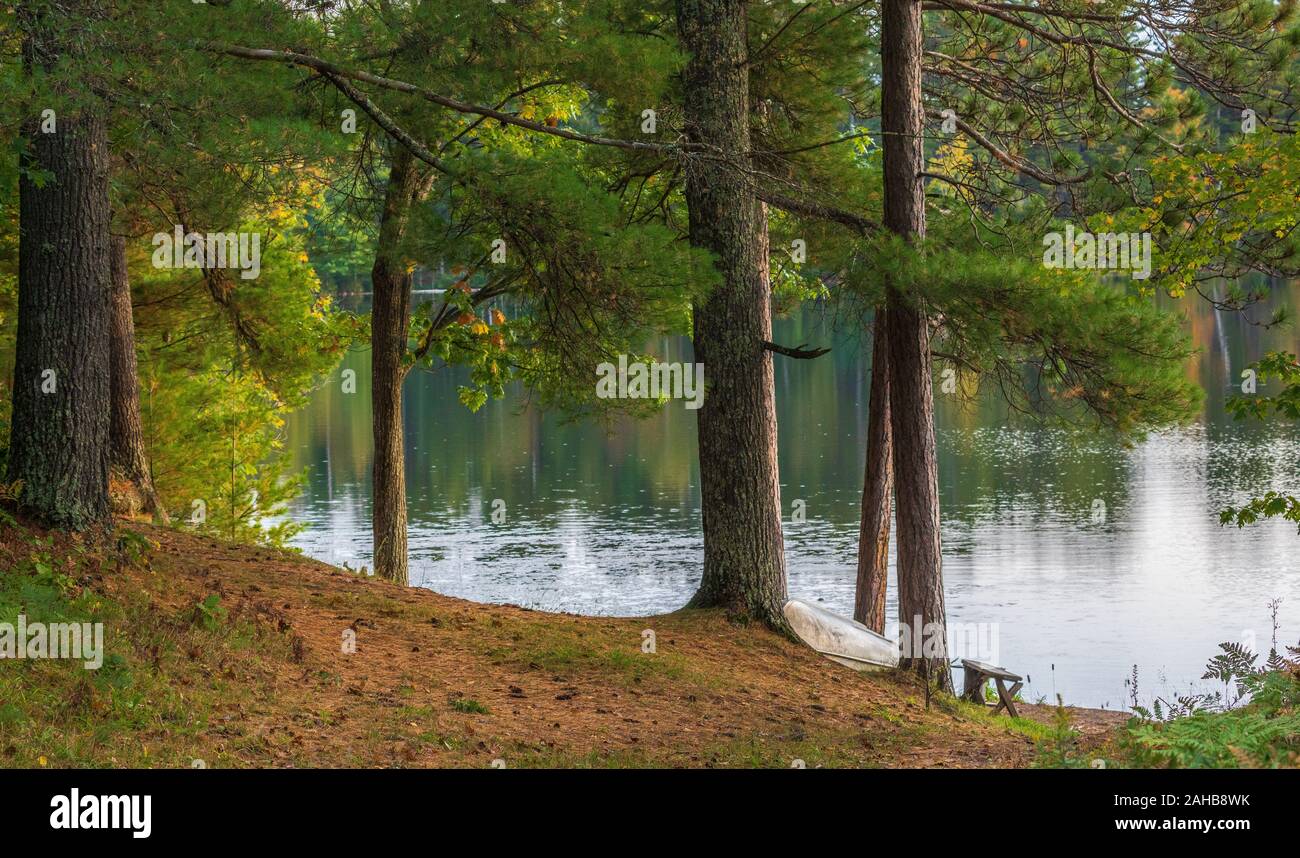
x=1075 y=557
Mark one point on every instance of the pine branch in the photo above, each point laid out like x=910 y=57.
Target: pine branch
x=335 y=72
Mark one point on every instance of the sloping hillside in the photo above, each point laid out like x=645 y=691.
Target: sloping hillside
x=237 y=656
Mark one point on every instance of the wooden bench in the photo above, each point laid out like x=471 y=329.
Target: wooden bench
x=977 y=673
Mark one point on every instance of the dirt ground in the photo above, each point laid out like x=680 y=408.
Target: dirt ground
x=348 y=671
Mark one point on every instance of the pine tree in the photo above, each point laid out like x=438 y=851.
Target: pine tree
x=1058 y=99
x=59 y=442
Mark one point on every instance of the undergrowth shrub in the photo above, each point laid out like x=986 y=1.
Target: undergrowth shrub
x=1253 y=722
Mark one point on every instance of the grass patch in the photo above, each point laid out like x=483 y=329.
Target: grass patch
x=468 y=706
x=164 y=679
x=565 y=650
x=982 y=714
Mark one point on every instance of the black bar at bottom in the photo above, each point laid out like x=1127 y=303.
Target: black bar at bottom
x=527 y=809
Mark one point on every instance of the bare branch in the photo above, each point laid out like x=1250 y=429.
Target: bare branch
x=801 y=352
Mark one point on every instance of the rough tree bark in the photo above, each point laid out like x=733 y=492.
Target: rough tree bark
x=128 y=461
x=877 y=490
x=744 y=562
x=916 y=472
x=389 y=323
x=59 y=437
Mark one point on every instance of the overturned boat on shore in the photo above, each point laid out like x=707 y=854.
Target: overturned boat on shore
x=839 y=638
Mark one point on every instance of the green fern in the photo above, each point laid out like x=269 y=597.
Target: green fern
x=1258 y=727
x=1233 y=739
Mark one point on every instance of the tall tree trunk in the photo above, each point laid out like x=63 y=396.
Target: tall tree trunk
x=744 y=562
x=877 y=489
x=916 y=472
x=59 y=442
x=128 y=460
x=389 y=322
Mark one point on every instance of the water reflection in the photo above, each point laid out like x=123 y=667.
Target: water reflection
x=1089 y=557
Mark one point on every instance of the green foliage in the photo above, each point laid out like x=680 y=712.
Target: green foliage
x=1280 y=366
x=1229 y=213
x=134 y=546
x=341 y=248
x=209 y=612
x=214 y=145
x=1283 y=367
x=1237 y=738
x=1055 y=343
x=46 y=575
x=43 y=589
x=468 y=706
x=1059 y=749
x=213 y=399
x=581 y=284
x=587 y=275
x=1270 y=505
x=1254 y=722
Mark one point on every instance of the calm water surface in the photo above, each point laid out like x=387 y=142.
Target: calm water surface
x=1086 y=557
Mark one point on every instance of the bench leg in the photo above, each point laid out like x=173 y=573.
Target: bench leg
x=973 y=686
x=1006 y=698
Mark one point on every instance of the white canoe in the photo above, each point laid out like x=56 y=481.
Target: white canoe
x=840 y=638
